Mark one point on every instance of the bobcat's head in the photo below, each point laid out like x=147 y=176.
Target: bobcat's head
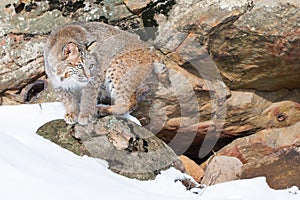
x=72 y=66
x=75 y=68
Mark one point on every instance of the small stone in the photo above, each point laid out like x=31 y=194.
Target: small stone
x=222 y=169
x=136 y=6
x=192 y=168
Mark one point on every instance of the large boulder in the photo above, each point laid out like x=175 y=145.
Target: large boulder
x=273 y=152
x=281 y=168
x=129 y=149
x=254 y=43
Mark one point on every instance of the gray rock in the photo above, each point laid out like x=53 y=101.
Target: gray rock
x=61 y=134
x=129 y=149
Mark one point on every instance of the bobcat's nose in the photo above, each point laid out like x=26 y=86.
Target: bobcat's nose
x=87 y=74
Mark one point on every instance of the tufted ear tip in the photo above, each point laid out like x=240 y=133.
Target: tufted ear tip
x=90 y=45
x=71 y=51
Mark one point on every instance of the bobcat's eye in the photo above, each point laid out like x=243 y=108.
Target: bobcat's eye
x=92 y=66
x=80 y=66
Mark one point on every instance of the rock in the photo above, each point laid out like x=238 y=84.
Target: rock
x=8 y=101
x=200 y=17
x=129 y=149
x=62 y=134
x=281 y=168
x=272 y=152
x=279 y=114
x=247 y=113
x=22 y=56
x=263 y=143
x=136 y=6
x=192 y=168
x=222 y=169
x=230 y=30
x=252 y=33
x=48 y=94
x=116 y=10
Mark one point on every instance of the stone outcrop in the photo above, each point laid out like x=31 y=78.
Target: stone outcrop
x=281 y=168
x=129 y=149
x=136 y=6
x=62 y=134
x=273 y=152
x=254 y=43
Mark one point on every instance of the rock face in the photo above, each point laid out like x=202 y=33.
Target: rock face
x=254 y=43
x=273 y=153
x=129 y=149
x=281 y=168
x=251 y=45
x=61 y=133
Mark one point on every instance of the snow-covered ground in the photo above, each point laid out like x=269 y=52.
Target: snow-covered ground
x=33 y=168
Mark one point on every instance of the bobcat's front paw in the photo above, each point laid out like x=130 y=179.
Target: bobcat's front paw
x=84 y=119
x=70 y=118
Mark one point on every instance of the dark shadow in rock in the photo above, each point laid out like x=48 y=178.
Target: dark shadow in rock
x=32 y=90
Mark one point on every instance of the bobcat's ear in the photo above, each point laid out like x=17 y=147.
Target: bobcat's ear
x=71 y=51
x=90 y=45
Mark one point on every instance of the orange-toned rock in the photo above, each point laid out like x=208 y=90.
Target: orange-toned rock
x=282 y=168
x=192 y=168
x=273 y=152
x=136 y=6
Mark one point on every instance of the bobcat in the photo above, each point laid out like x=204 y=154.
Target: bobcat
x=85 y=61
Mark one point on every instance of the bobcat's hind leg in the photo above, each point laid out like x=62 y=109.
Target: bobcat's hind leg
x=120 y=107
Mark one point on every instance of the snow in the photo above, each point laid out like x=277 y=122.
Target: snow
x=33 y=168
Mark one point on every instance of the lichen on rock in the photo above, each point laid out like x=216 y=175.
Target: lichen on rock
x=129 y=149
